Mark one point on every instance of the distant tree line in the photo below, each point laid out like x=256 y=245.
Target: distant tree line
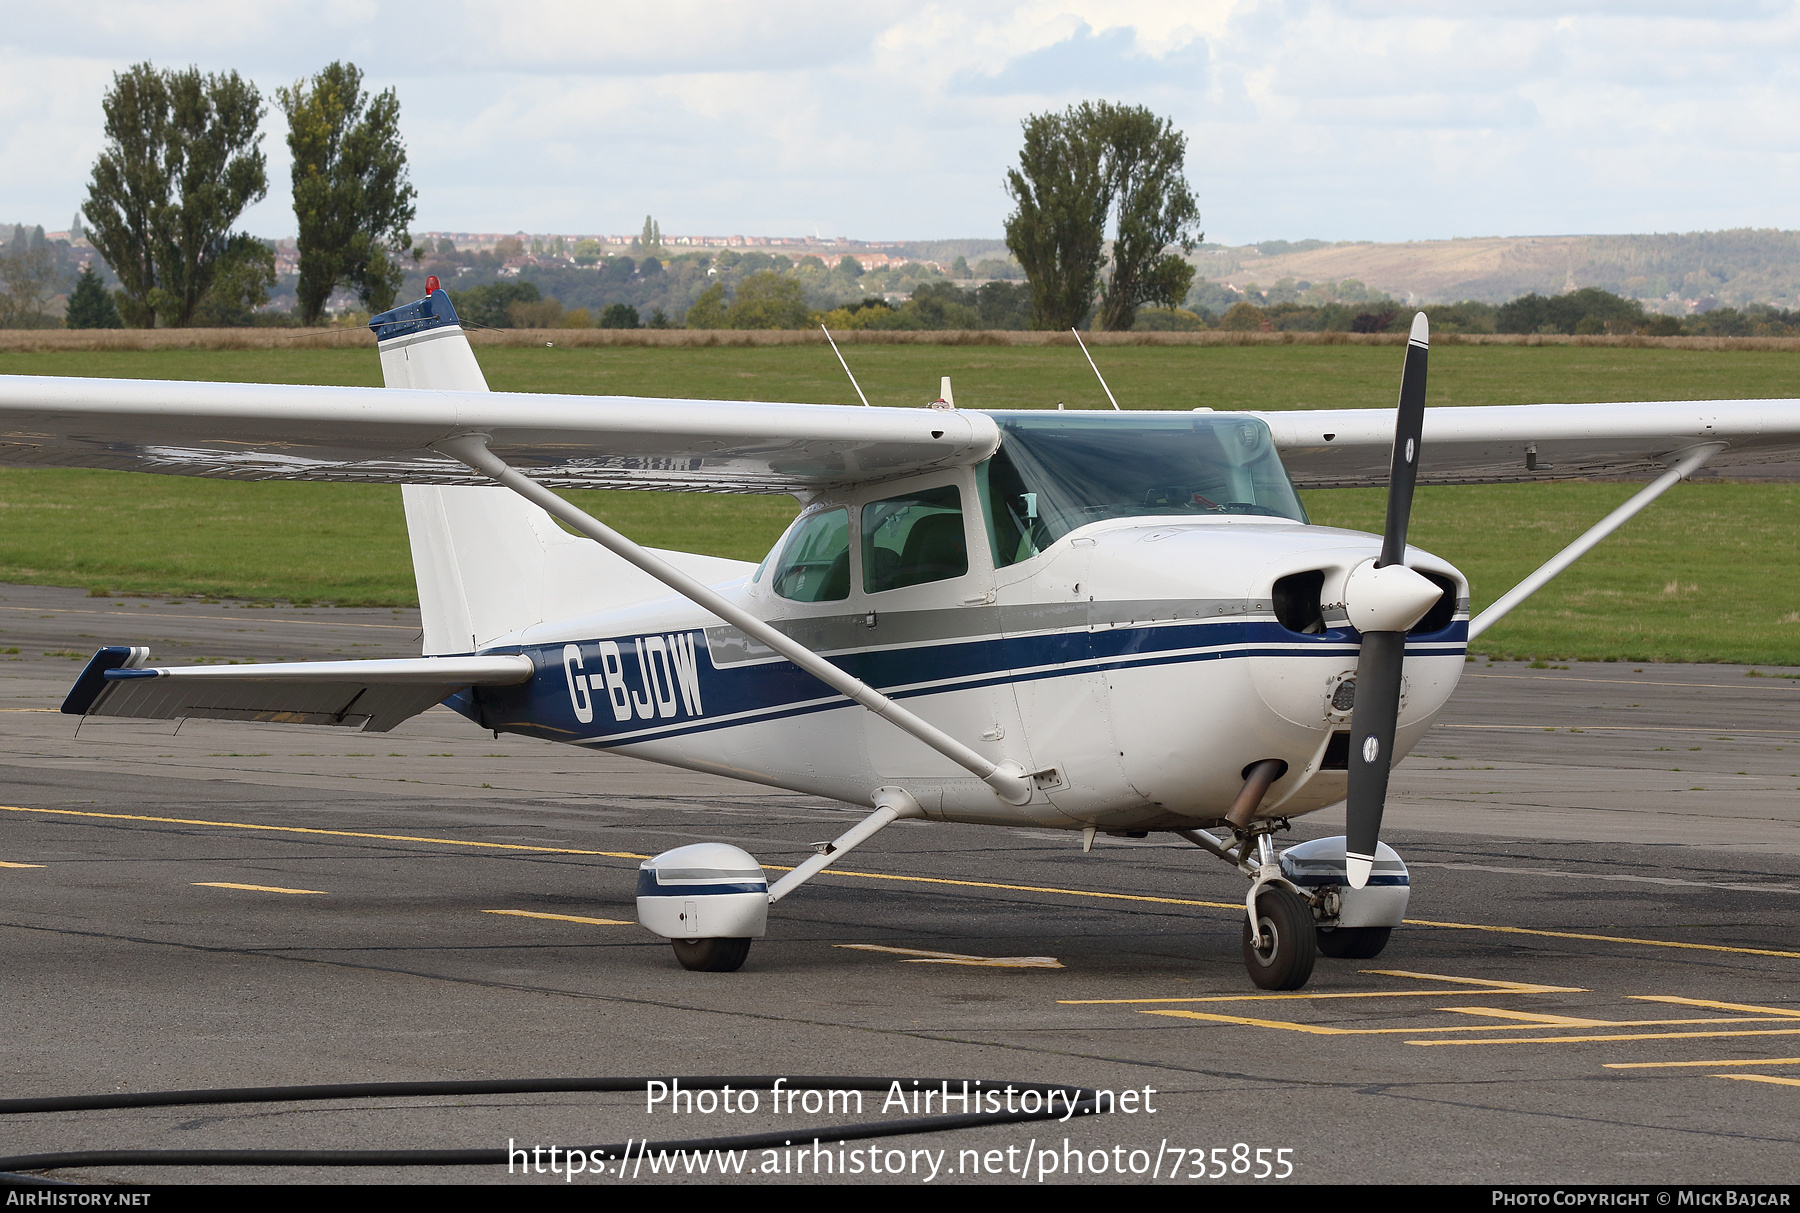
x=726 y=289
x=1588 y=311
x=32 y=270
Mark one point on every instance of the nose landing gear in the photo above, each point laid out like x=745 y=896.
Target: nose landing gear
x=1280 y=955
x=1300 y=904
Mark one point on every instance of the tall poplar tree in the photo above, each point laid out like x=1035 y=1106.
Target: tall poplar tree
x=1079 y=167
x=181 y=163
x=352 y=198
x=1058 y=232
x=1153 y=208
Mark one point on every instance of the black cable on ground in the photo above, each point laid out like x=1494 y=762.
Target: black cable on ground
x=1077 y=1101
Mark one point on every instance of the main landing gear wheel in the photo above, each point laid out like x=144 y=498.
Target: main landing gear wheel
x=1283 y=958
x=712 y=955
x=1353 y=943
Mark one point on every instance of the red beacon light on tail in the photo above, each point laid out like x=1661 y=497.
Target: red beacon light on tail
x=431 y=285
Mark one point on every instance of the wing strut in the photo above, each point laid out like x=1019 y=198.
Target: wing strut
x=1008 y=779
x=891 y=804
x=1680 y=470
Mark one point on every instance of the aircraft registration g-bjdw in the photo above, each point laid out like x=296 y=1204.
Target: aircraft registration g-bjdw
x=1115 y=622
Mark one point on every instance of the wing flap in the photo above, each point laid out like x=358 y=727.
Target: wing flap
x=372 y=696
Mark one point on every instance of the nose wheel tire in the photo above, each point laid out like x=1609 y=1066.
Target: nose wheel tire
x=711 y=955
x=1353 y=943
x=1282 y=958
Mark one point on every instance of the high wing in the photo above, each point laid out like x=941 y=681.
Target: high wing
x=372 y=696
x=254 y=431
x=380 y=435
x=1498 y=444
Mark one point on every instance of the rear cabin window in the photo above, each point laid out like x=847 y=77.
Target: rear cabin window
x=913 y=539
x=815 y=564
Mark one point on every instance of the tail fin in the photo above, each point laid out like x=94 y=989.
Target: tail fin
x=487 y=562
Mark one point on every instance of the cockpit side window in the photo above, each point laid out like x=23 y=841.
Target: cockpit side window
x=1015 y=532
x=815 y=564
x=913 y=539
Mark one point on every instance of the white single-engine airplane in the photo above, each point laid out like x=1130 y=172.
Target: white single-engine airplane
x=1092 y=621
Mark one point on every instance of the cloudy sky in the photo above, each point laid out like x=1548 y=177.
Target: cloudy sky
x=1346 y=119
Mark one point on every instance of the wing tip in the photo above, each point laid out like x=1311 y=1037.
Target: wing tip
x=92 y=682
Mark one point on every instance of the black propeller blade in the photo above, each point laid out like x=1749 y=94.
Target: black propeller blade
x=1376 y=714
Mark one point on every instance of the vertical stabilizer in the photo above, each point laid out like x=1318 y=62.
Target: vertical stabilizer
x=487 y=562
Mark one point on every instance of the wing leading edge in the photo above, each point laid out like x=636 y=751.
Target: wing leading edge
x=257 y=431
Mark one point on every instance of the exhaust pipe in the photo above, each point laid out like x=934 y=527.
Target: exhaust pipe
x=1257 y=778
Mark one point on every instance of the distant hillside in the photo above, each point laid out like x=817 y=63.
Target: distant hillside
x=1671 y=273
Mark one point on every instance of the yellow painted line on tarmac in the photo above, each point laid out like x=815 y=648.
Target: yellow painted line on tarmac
x=4 y=864
x=1649 y=943
x=1490 y=983
x=934 y=880
x=1530 y=1020
x=921 y=956
x=1321 y=1030
x=252 y=888
x=1645 y=1023
x=1485 y=985
x=1285 y=1025
x=1675 y=1065
x=514 y=846
x=1713 y=1005
x=242 y=825
x=1560 y=1040
x=1785 y=1082
x=30 y=709
x=1536 y=1019
x=596 y=922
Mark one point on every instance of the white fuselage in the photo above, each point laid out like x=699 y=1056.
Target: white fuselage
x=1136 y=665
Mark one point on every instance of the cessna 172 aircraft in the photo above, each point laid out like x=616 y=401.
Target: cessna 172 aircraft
x=1116 y=622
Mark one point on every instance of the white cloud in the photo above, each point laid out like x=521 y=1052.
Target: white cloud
x=1334 y=118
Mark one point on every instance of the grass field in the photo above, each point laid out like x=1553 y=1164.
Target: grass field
x=1709 y=573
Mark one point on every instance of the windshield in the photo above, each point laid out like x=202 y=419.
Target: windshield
x=1058 y=471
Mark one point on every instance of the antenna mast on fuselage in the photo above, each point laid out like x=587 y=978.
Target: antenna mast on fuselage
x=1097 y=374
x=845 y=365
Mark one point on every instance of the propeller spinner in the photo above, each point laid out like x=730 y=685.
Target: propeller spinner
x=1383 y=599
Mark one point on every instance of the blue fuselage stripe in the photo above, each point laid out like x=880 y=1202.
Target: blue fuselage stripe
x=639 y=688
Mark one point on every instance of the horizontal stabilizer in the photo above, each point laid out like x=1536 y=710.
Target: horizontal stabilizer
x=373 y=696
